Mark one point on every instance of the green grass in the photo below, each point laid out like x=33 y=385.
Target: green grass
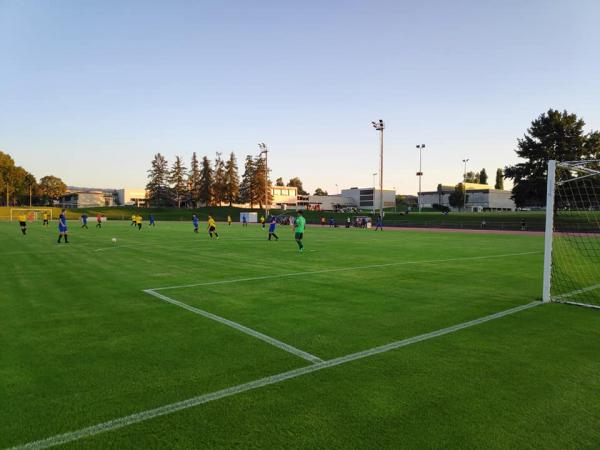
x=494 y=220
x=83 y=344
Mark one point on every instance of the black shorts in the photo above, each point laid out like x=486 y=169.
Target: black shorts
x=211 y=229
x=299 y=236
x=23 y=224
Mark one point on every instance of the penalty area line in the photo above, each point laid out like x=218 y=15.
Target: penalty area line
x=230 y=323
x=256 y=384
x=343 y=269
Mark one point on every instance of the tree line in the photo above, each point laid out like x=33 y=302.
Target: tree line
x=211 y=183
x=18 y=187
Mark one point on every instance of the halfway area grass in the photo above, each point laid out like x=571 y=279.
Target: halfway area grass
x=82 y=343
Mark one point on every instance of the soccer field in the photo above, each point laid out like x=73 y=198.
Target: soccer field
x=394 y=339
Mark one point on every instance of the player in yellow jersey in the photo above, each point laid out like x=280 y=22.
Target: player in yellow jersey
x=22 y=218
x=212 y=227
x=45 y=219
x=229 y=220
x=133 y=220
x=138 y=221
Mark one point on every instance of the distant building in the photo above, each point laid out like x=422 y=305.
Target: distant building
x=132 y=197
x=87 y=199
x=479 y=197
x=330 y=202
x=287 y=197
x=284 y=196
x=369 y=198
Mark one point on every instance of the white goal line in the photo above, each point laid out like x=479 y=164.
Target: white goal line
x=344 y=269
x=256 y=384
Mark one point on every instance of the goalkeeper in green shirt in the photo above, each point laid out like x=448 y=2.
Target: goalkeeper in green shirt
x=299 y=229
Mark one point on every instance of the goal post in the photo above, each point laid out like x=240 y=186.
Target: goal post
x=572 y=234
x=33 y=214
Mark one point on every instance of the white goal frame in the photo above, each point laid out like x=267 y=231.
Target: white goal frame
x=14 y=212
x=549 y=229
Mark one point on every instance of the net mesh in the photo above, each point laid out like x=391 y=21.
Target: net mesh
x=576 y=239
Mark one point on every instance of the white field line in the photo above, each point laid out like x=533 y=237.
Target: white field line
x=343 y=269
x=564 y=298
x=263 y=337
x=227 y=392
x=576 y=292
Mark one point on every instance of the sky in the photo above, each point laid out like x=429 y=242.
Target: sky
x=91 y=90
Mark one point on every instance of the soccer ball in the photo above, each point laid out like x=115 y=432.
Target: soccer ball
x=114 y=239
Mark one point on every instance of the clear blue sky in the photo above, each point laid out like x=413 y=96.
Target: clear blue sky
x=91 y=90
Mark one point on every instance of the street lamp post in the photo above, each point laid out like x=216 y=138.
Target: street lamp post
x=373 y=200
x=379 y=126
x=265 y=151
x=465 y=161
x=420 y=172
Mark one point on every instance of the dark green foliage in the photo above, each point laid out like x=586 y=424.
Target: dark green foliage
x=178 y=182
x=247 y=192
x=194 y=181
x=483 y=177
x=206 y=183
x=457 y=197
x=232 y=180
x=320 y=191
x=159 y=192
x=553 y=135
x=499 y=179
x=296 y=182
x=219 y=187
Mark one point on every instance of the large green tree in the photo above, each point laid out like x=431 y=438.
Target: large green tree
x=319 y=191
x=457 y=198
x=206 y=182
x=262 y=191
x=193 y=180
x=553 y=135
x=483 y=177
x=51 y=188
x=178 y=181
x=499 y=179
x=247 y=194
x=297 y=183
x=219 y=183
x=159 y=192
x=232 y=180
x=471 y=177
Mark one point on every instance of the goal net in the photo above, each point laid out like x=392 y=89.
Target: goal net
x=572 y=254
x=32 y=214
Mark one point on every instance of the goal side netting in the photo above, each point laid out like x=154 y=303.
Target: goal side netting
x=572 y=241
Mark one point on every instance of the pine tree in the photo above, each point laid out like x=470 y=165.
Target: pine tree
x=193 y=180
x=258 y=182
x=219 y=183
x=483 y=178
x=177 y=180
x=247 y=194
x=206 y=182
x=232 y=180
x=159 y=193
x=499 y=179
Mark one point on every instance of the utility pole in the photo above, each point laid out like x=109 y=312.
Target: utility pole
x=420 y=172
x=264 y=150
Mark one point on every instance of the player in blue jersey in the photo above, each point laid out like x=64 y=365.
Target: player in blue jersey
x=62 y=227
x=152 y=222
x=272 y=226
x=196 y=222
x=84 y=218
